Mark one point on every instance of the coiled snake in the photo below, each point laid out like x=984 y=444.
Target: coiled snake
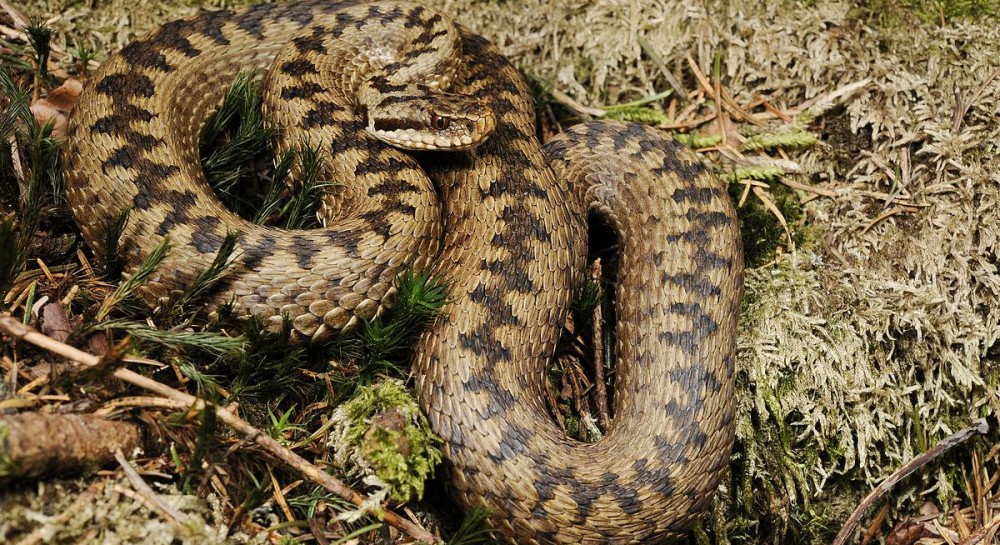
x=502 y=221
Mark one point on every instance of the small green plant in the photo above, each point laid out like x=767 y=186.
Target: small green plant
x=586 y=297
x=280 y=426
x=270 y=368
x=219 y=267
x=114 y=262
x=638 y=111
x=234 y=152
x=384 y=345
x=136 y=280
x=474 y=529
x=301 y=209
x=233 y=139
x=272 y=199
x=40 y=38
x=206 y=439
x=42 y=193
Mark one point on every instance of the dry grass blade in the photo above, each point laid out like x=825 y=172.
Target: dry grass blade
x=773 y=208
x=962 y=106
x=882 y=217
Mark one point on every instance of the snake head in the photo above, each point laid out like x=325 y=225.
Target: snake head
x=430 y=120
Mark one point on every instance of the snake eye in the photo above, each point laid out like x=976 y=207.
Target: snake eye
x=439 y=123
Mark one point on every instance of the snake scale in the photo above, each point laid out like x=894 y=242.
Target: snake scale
x=503 y=220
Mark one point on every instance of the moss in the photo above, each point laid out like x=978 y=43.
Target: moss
x=382 y=432
x=762 y=232
x=7 y=465
x=895 y=13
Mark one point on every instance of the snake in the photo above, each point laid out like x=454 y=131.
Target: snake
x=428 y=135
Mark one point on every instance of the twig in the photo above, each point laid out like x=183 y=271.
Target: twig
x=820 y=104
x=978 y=426
x=825 y=192
x=874 y=526
x=566 y=100
x=151 y=497
x=12 y=326
x=601 y=390
x=140 y=401
x=279 y=496
x=984 y=534
x=723 y=100
x=962 y=107
x=37 y=444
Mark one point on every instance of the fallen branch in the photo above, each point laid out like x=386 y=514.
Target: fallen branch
x=12 y=326
x=34 y=444
x=979 y=426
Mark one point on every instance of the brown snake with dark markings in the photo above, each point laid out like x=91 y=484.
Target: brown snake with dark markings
x=504 y=223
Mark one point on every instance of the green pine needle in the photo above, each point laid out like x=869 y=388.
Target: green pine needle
x=474 y=529
x=300 y=211
x=205 y=341
x=40 y=38
x=114 y=262
x=137 y=279
x=219 y=267
x=10 y=262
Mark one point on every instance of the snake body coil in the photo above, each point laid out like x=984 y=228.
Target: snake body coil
x=504 y=223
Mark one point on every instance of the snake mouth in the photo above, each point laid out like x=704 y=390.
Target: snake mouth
x=436 y=133
x=419 y=140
